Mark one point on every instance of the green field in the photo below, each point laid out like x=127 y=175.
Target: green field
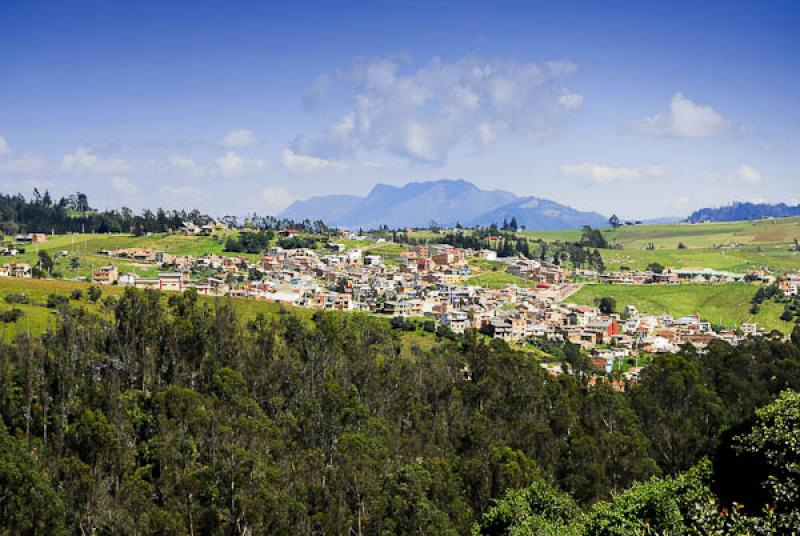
x=693 y=235
x=726 y=305
x=730 y=246
x=498 y=280
x=86 y=246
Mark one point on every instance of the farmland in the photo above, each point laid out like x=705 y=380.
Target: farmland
x=729 y=246
x=726 y=305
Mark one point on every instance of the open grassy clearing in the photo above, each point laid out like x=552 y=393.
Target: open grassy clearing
x=775 y=258
x=726 y=305
x=498 y=280
x=692 y=235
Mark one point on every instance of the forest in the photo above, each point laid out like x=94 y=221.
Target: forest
x=176 y=417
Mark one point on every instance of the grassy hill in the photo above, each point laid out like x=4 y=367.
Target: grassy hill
x=727 y=305
x=732 y=246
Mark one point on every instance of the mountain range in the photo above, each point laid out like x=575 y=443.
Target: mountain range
x=446 y=202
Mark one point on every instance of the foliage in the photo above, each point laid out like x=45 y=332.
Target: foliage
x=607 y=305
x=774 y=441
x=11 y=316
x=592 y=238
x=28 y=503
x=170 y=416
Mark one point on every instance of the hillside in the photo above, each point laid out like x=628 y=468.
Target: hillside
x=534 y=213
x=725 y=305
x=745 y=211
x=445 y=201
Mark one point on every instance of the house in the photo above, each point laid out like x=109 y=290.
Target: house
x=748 y=329
x=457 y=321
x=189 y=229
x=105 y=275
x=789 y=285
x=31 y=238
x=20 y=269
x=171 y=281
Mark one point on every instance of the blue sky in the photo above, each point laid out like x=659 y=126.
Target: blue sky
x=642 y=109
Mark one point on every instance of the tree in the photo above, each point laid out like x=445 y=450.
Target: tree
x=537 y=509
x=614 y=221
x=592 y=238
x=678 y=412
x=94 y=293
x=655 y=267
x=45 y=261
x=773 y=440
x=607 y=305
x=28 y=503
x=796 y=334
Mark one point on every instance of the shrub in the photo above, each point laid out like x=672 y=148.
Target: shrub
x=17 y=298
x=94 y=293
x=9 y=317
x=56 y=300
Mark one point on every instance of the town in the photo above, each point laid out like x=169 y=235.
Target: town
x=430 y=283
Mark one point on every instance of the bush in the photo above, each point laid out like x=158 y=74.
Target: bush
x=56 y=300
x=9 y=317
x=77 y=294
x=94 y=293
x=17 y=298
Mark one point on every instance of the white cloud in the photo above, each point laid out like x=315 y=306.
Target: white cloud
x=123 y=185
x=603 y=174
x=84 y=160
x=300 y=164
x=570 y=101
x=232 y=165
x=239 y=137
x=749 y=174
x=27 y=163
x=186 y=165
x=276 y=198
x=681 y=202
x=685 y=119
x=4 y=148
x=182 y=194
x=744 y=174
x=422 y=113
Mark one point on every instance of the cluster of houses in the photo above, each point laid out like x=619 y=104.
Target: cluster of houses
x=428 y=281
x=672 y=276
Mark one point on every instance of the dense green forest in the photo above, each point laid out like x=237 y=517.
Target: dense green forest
x=178 y=418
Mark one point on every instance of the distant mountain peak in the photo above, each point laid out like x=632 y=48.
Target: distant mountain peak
x=446 y=201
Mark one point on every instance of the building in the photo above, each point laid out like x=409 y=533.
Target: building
x=105 y=275
x=457 y=321
x=171 y=281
